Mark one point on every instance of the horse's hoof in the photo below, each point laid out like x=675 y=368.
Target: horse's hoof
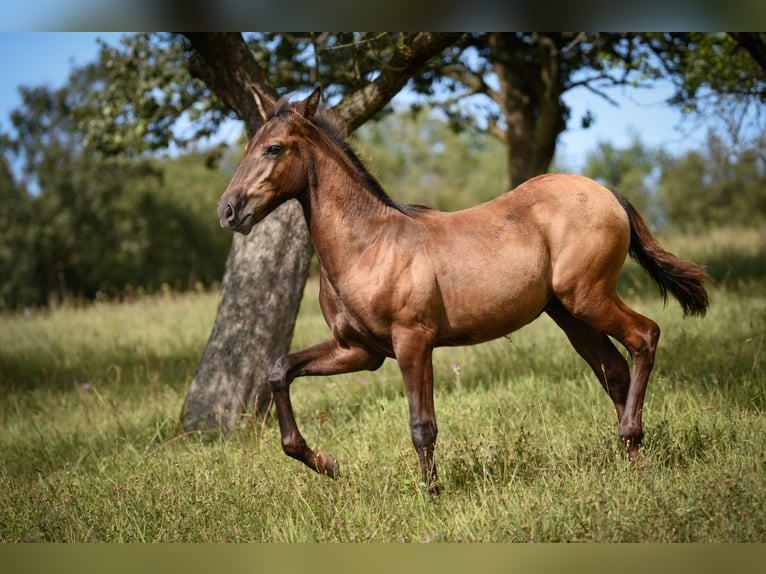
x=326 y=464
x=633 y=450
x=434 y=490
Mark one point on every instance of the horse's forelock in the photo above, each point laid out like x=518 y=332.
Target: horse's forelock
x=282 y=105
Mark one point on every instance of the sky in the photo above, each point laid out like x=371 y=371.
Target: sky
x=36 y=58
x=41 y=58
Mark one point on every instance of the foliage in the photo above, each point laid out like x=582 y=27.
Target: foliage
x=144 y=88
x=633 y=171
x=714 y=74
x=78 y=224
x=521 y=76
x=152 y=101
x=141 y=93
x=16 y=266
x=340 y=62
x=528 y=449
x=716 y=186
x=509 y=84
x=708 y=64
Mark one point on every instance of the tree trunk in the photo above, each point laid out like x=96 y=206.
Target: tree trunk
x=266 y=270
x=530 y=100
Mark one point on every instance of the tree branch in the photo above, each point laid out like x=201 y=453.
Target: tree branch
x=363 y=104
x=473 y=80
x=496 y=131
x=224 y=62
x=590 y=87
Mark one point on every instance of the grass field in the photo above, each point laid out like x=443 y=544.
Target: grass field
x=528 y=451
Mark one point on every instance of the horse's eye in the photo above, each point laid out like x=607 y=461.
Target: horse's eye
x=273 y=150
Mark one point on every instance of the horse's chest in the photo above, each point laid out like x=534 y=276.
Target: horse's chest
x=357 y=313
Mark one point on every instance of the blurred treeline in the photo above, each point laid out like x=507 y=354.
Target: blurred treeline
x=95 y=229
x=79 y=226
x=421 y=159
x=75 y=224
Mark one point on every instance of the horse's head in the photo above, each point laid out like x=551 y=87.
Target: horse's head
x=273 y=169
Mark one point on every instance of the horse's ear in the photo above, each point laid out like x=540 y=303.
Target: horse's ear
x=265 y=105
x=308 y=107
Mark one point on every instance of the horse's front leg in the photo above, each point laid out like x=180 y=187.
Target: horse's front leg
x=327 y=358
x=414 y=357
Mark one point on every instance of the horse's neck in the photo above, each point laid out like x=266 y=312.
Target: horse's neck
x=343 y=217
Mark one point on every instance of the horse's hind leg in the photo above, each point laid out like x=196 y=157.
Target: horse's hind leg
x=609 y=366
x=603 y=310
x=327 y=358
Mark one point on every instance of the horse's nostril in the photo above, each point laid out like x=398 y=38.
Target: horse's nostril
x=229 y=213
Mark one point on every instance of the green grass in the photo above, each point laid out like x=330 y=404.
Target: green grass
x=528 y=450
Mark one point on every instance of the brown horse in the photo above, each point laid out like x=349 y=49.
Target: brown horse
x=399 y=280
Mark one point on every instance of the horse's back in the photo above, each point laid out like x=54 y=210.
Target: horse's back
x=554 y=211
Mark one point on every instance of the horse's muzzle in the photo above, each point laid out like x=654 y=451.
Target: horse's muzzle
x=233 y=219
x=227 y=215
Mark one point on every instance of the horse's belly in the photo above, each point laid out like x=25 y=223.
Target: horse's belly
x=486 y=307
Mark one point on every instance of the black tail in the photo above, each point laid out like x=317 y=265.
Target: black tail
x=683 y=279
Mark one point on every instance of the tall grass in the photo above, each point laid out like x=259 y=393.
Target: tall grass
x=528 y=449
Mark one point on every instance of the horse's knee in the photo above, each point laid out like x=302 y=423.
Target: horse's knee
x=651 y=336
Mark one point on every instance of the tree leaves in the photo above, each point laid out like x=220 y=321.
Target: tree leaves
x=78 y=223
x=140 y=93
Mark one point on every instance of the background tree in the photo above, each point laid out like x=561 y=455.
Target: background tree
x=512 y=83
x=634 y=171
x=716 y=75
x=77 y=224
x=17 y=287
x=74 y=205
